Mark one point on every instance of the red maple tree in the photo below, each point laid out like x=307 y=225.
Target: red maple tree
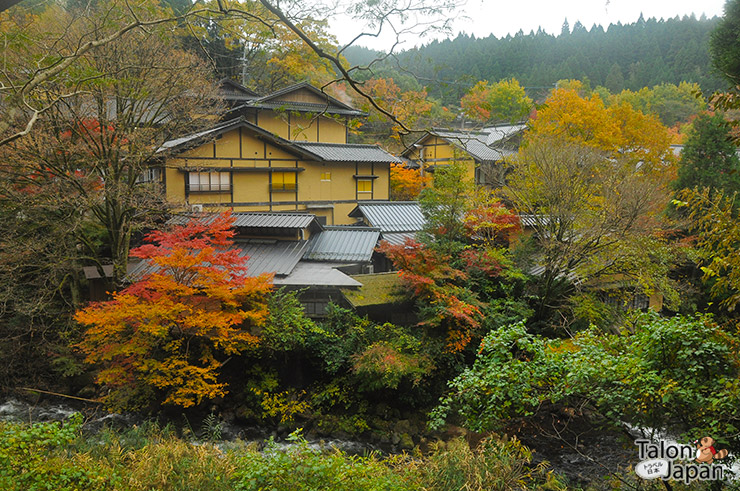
x=165 y=336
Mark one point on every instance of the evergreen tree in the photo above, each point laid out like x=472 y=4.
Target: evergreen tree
x=724 y=44
x=709 y=158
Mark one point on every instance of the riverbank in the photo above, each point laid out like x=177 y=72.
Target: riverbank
x=576 y=452
x=63 y=456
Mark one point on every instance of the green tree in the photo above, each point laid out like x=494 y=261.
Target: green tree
x=723 y=45
x=709 y=157
x=461 y=267
x=502 y=101
x=714 y=218
x=445 y=202
x=130 y=96
x=594 y=182
x=594 y=218
x=675 y=374
x=671 y=103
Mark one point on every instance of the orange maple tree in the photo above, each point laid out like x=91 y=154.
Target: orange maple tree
x=406 y=183
x=165 y=336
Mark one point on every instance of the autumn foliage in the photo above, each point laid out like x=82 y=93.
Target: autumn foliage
x=439 y=280
x=434 y=281
x=619 y=130
x=502 y=101
x=406 y=183
x=166 y=335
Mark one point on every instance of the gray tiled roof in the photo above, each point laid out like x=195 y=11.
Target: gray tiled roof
x=331 y=106
x=344 y=152
x=307 y=107
x=317 y=274
x=391 y=216
x=501 y=133
x=343 y=244
x=484 y=145
x=255 y=219
x=231 y=90
x=195 y=137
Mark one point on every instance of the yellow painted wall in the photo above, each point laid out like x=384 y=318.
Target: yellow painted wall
x=332 y=131
x=274 y=123
x=302 y=95
x=303 y=127
x=381 y=186
x=438 y=151
x=242 y=150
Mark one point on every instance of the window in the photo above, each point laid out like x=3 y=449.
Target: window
x=364 y=186
x=326 y=176
x=150 y=175
x=209 y=181
x=283 y=181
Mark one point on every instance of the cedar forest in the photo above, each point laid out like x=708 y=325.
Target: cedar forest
x=514 y=331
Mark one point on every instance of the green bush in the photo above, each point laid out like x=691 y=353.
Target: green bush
x=676 y=374
x=492 y=464
x=41 y=457
x=301 y=467
x=54 y=456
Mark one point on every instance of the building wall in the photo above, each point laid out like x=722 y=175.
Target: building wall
x=329 y=190
x=437 y=151
x=303 y=127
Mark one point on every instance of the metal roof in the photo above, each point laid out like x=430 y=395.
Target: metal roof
x=473 y=142
x=317 y=274
x=331 y=105
x=265 y=256
x=345 y=152
x=272 y=256
x=231 y=90
x=397 y=238
x=391 y=216
x=486 y=144
x=273 y=220
x=197 y=137
x=343 y=244
x=255 y=219
x=502 y=133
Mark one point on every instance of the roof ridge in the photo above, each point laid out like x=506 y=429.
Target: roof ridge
x=340 y=144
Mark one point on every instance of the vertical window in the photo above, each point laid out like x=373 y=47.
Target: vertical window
x=364 y=186
x=283 y=181
x=326 y=176
x=152 y=174
x=209 y=181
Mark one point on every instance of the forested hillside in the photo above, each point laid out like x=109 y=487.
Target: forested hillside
x=643 y=54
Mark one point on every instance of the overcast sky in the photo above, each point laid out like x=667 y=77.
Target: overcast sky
x=502 y=17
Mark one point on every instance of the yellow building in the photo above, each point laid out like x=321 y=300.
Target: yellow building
x=483 y=152
x=286 y=152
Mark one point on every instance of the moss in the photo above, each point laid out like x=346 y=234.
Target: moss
x=376 y=289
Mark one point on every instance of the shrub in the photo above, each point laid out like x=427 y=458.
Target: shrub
x=302 y=467
x=39 y=456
